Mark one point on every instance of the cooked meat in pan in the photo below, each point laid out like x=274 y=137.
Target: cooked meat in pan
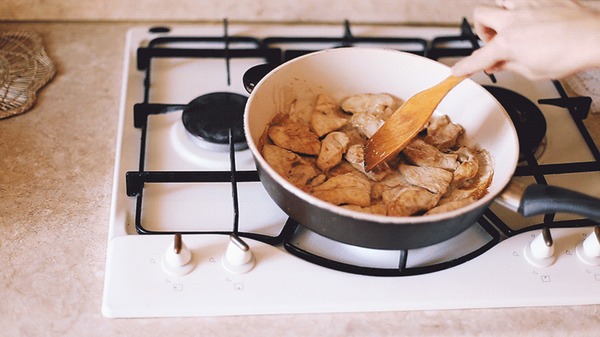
x=324 y=156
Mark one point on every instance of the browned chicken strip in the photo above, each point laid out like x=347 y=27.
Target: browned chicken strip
x=421 y=153
x=300 y=175
x=356 y=157
x=450 y=206
x=405 y=201
x=469 y=165
x=348 y=188
x=442 y=133
x=435 y=180
x=394 y=179
x=477 y=186
x=289 y=165
x=366 y=124
x=379 y=209
x=333 y=147
x=295 y=137
x=378 y=105
x=327 y=116
x=301 y=110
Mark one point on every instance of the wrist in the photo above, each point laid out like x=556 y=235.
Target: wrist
x=591 y=48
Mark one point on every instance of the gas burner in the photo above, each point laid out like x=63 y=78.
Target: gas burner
x=527 y=118
x=209 y=117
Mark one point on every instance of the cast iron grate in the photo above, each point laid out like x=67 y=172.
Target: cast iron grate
x=265 y=49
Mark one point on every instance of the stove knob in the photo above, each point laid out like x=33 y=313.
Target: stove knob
x=540 y=251
x=178 y=258
x=238 y=258
x=589 y=249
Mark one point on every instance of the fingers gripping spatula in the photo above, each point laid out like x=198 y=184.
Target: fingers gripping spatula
x=406 y=122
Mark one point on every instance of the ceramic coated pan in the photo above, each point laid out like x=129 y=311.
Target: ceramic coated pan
x=347 y=71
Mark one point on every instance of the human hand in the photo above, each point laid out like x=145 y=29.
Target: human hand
x=539 y=39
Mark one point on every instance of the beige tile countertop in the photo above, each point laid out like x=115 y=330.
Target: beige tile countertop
x=56 y=166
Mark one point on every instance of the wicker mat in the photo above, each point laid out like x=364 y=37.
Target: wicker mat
x=24 y=69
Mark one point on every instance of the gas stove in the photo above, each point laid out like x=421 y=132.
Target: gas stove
x=193 y=233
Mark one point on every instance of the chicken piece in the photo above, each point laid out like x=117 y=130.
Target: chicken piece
x=353 y=134
x=450 y=206
x=349 y=188
x=356 y=157
x=300 y=110
x=318 y=180
x=297 y=108
x=379 y=209
x=289 y=165
x=394 y=179
x=333 y=147
x=377 y=105
x=468 y=167
x=295 y=137
x=420 y=153
x=435 y=180
x=406 y=201
x=326 y=116
x=340 y=169
x=281 y=160
x=366 y=124
x=441 y=133
x=477 y=186
x=302 y=174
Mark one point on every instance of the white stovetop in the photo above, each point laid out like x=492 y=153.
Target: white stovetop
x=134 y=272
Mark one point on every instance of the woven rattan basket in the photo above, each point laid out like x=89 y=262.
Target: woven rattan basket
x=24 y=69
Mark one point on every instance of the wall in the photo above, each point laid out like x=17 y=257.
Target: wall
x=372 y=11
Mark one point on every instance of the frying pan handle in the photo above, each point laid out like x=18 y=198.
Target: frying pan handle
x=541 y=199
x=253 y=75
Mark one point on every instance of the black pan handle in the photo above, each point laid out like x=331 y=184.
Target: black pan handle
x=535 y=199
x=253 y=75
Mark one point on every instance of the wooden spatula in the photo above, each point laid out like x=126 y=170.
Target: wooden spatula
x=406 y=122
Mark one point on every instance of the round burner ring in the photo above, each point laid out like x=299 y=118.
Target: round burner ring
x=527 y=118
x=209 y=117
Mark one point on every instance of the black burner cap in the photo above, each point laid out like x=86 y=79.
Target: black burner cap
x=525 y=115
x=209 y=118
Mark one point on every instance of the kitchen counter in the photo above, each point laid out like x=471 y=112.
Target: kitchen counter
x=56 y=167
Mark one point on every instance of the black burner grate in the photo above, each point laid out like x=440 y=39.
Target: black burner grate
x=269 y=49
x=413 y=45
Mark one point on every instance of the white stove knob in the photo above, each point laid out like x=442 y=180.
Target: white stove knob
x=540 y=251
x=178 y=258
x=238 y=258
x=589 y=249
